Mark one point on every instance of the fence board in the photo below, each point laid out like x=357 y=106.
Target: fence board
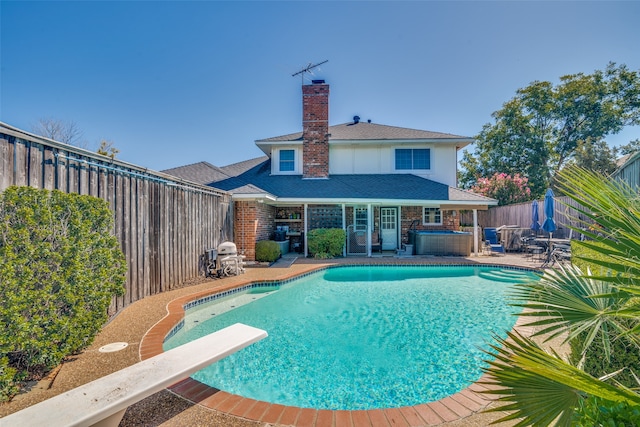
x=49 y=169
x=163 y=226
x=6 y=162
x=520 y=215
x=35 y=164
x=20 y=168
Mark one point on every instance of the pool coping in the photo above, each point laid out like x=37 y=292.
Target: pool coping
x=458 y=406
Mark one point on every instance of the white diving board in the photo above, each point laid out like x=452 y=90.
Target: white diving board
x=103 y=402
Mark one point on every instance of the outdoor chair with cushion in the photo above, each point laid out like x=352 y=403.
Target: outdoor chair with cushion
x=376 y=242
x=489 y=248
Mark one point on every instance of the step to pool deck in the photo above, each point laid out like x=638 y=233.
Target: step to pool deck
x=508 y=276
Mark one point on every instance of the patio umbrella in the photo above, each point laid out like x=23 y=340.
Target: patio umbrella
x=549 y=224
x=535 y=216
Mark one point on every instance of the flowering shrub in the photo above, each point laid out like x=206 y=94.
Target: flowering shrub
x=505 y=188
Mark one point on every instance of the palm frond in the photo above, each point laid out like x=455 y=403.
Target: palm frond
x=538 y=388
x=565 y=302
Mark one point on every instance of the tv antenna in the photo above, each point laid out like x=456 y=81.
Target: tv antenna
x=308 y=69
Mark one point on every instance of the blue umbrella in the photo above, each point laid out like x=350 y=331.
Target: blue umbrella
x=549 y=224
x=535 y=225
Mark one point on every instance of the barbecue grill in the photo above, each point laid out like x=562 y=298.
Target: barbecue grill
x=224 y=260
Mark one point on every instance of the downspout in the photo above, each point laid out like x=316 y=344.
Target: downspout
x=475 y=232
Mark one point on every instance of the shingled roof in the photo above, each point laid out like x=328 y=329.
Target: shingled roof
x=206 y=173
x=364 y=131
x=339 y=188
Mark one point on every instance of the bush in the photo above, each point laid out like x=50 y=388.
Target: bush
x=598 y=412
x=267 y=251
x=8 y=380
x=624 y=354
x=326 y=242
x=60 y=266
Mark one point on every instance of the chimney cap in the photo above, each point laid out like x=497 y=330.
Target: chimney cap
x=317 y=82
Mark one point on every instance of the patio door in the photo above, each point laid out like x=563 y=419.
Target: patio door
x=389 y=228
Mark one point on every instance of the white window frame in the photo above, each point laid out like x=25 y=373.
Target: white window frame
x=437 y=214
x=360 y=217
x=412 y=168
x=280 y=151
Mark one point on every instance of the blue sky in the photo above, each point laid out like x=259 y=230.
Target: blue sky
x=174 y=83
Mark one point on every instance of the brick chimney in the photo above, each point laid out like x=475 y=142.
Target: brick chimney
x=315 y=130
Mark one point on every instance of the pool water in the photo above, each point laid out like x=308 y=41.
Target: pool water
x=353 y=338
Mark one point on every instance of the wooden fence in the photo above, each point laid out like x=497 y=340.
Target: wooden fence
x=520 y=215
x=164 y=224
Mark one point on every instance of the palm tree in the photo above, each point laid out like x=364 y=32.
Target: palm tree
x=539 y=388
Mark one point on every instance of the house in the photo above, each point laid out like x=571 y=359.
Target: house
x=629 y=169
x=372 y=180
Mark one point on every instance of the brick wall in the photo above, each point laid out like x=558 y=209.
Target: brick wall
x=253 y=221
x=315 y=129
x=410 y=213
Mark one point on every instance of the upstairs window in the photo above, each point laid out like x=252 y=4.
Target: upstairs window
x=432 y=216
x=287 y=160
x=413 y=158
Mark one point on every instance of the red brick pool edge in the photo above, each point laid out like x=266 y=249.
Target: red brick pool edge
x=455 y=407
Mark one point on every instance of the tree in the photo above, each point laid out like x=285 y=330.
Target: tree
x=629 y=148
x=107 y=149
x=595 y=156
x=505 y=188
x=538 y=131
x=58 y=130
x=539 y=387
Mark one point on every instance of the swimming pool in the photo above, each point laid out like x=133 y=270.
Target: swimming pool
x=360 y=337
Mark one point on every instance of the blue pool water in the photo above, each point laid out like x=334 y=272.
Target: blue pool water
x=360 y=337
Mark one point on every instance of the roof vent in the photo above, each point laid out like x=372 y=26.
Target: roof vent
x=369 y=121
x=317 y=82
x=356 y=119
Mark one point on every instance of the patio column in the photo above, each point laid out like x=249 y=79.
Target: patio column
x=306 y=223
x=344 y=227
x=369 y=226
x=399 y=225
x=475 y=232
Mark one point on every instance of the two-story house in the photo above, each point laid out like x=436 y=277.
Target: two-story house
x=372 y=180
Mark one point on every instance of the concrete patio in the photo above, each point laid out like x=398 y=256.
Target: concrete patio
x=167 y=409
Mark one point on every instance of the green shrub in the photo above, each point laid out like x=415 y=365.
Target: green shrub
x=326 y=242
x=267 y=251
x=598 y=412
x=8 y=380
x=60 y=266
x=624 y=354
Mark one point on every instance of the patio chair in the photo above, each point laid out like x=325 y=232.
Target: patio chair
x=530 y=248
x=489 y=248
x=376 y=242
x=560 y=254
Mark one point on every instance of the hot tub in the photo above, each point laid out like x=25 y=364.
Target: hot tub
x=452 y=243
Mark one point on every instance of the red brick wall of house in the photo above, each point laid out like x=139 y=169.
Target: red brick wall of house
x=315 y=129
x=253 y=222
x=410 y=213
